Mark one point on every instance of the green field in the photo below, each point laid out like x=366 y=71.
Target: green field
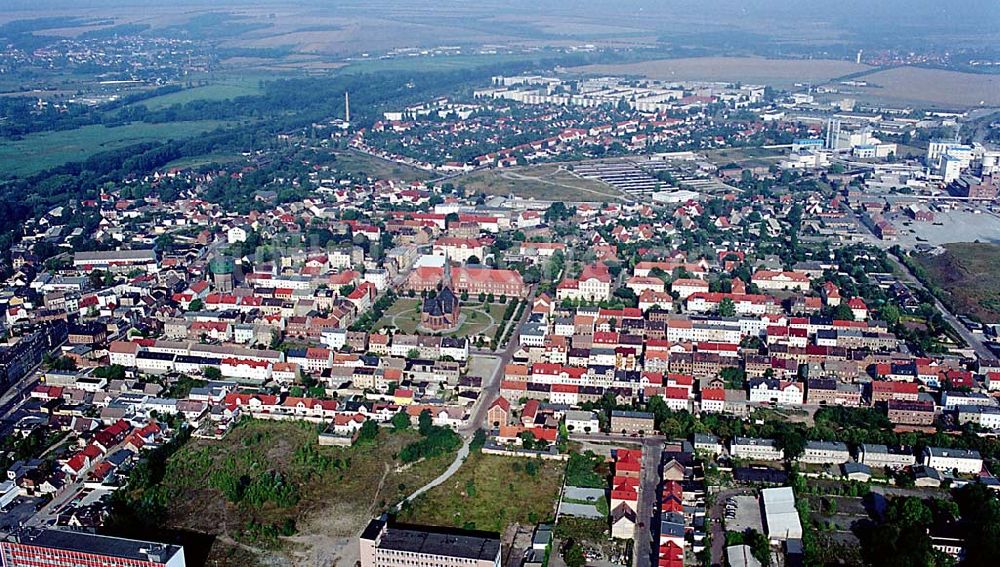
x=223 y=90
x=37 y=152
x=357 y=163
x=490 y=492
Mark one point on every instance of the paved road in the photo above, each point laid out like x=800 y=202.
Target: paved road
x=16 y=394
x=614 y=438
x=491 y=384
x=647 y=516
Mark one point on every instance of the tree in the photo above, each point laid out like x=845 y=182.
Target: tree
x=727 y=308
x=843 y=312
x=368 y=431
x=473 y=260
x=573 y=555
x=425 y=422
x=413 y=353
x=733 y=376
x=527 y=440
x=980 y=509
x=212 y=373
x=890 y=314
x=401 y=421
x=63 y=363
x=909 y=511
x=792 y=442
x=196 y=305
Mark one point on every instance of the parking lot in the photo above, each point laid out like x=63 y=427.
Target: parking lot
x=17 y=513
x=957 y=225
x=742 y=513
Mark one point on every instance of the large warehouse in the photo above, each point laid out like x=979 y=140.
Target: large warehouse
x=780 y=515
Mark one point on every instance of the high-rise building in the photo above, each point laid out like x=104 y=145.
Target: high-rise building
x=383 y=545
x=60 y=548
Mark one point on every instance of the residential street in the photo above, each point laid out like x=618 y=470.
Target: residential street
x=646 y=531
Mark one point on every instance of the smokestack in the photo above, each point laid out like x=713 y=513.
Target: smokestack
x=347 y=107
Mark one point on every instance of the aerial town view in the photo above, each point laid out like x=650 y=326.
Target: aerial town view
x=439 y=283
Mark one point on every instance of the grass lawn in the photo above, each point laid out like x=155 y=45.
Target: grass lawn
x=339 y=489
x=44 y=150
x=545 y=182
x=404 y=314
x=967 y=273
x=356 y=163
x=490 y=492
x=477 y=322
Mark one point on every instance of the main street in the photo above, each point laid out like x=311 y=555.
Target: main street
x=16 y=394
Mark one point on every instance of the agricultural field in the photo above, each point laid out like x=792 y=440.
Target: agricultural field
x=44 y=150
x=489 y=492
x=775 y=72
x=967 y=273
x=543 y=182
x=363 y=165
x=935 y=87
x=295 y=499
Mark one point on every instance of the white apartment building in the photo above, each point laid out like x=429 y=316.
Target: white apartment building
x=964 y=461
x=755 y=449
x=825 y=453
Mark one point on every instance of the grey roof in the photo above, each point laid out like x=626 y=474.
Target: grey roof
x=826 y=446
x=103 y=545
x=852 y=468
x=953 y=453
x=632 y=414
x=115 y=255
x=705 y=438
x=449 y=543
